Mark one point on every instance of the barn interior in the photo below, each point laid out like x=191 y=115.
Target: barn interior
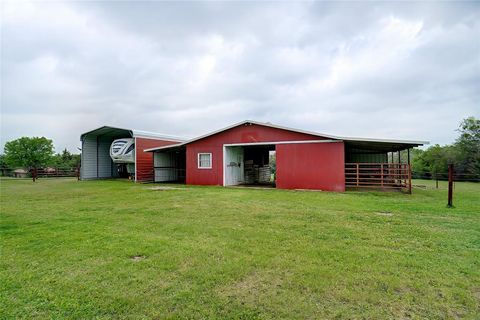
x=250 y=165
x=258 y=165
x=377 y=152
x=169 y=165
x=96 y=160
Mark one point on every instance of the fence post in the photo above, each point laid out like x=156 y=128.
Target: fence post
x=450 y=186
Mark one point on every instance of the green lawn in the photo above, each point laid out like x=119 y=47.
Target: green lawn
x=212 y=252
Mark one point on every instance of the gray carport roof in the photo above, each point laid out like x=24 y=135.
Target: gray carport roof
x=108 y=132
x=113 y=132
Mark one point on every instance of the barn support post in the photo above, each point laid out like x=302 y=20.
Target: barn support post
x=409 y=170
x=409 y=179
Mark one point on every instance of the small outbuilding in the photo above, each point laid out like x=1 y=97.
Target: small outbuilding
x=255 y=153
x=96 y=162
x=20 y=173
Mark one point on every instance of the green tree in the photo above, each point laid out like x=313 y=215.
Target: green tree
x=433 y=161
x=30 y=153
x=65 y=159
x=468 y=146
x=2 y=161
x=464 y=154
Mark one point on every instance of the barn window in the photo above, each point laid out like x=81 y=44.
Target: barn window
x=204 y=161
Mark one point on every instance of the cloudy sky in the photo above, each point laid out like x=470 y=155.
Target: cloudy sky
x=398 y=70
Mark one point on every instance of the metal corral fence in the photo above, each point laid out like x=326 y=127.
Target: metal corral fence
x=48 y=172
x=394 y=176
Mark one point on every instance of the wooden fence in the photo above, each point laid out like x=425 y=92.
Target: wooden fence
x=394 y=176
x=56 y=172
x=49 y=172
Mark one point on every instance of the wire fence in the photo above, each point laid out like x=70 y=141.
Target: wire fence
x=443 y=176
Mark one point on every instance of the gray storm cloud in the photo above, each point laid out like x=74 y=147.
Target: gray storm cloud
x=399 y=70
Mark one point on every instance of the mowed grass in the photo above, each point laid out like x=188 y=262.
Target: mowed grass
x=230 y=253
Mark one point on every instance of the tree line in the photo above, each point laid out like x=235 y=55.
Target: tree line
x=464 y=154
x=36 y=152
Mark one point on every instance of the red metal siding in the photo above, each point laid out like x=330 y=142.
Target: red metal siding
x=144 y=163
x=211 y=176
x=241 y=134
x=318 y=166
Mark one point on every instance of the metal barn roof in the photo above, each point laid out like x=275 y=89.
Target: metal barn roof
x=378 y=144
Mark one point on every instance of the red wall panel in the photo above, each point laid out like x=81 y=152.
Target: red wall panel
x=241 y=134
x=318 y=166
x=144 y=163
x=213 y=176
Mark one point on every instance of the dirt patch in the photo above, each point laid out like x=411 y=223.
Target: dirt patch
x=419 y=186
x=254 y=287
x=384 y=213
x=476 y=293
x=165 y=188
x=138 y=258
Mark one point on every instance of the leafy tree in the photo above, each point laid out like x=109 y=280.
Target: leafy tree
x=464 y=154
x=2 y=161
x=30 y=153
x=273 y=162
x=468 y=146
x=433 y=161
x=65 y=160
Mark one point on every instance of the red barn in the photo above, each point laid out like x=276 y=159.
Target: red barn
x=242 y=154
x=96 y=162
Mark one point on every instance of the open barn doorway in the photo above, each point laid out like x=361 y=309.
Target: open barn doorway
x=170 y=165
x=249 y=165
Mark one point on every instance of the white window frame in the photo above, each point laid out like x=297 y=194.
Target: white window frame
x=198 y=160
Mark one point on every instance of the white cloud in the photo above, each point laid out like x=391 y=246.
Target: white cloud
x=390 y=70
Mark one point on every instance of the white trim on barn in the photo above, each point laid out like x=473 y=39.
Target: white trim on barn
x=135 y=164
x=164 y=147
x=224 y=163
